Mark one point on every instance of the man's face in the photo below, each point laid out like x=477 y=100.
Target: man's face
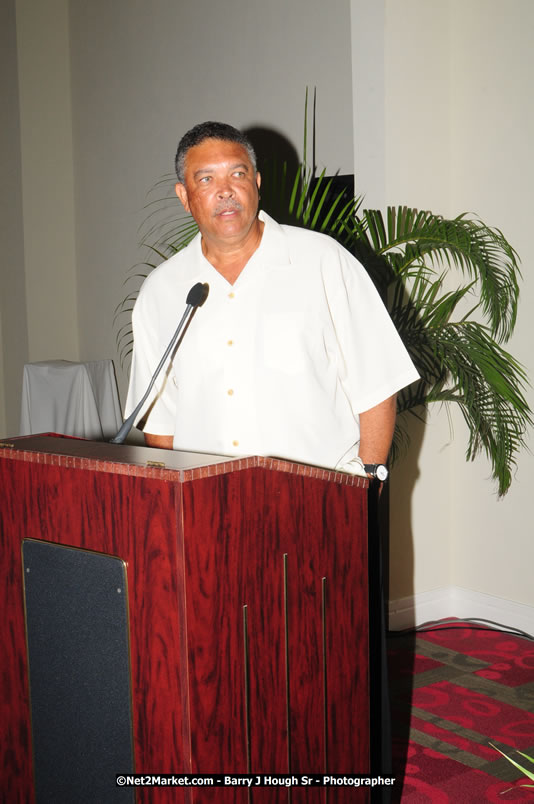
x=220 y=190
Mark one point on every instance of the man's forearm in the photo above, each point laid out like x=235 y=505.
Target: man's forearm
x=376 y=431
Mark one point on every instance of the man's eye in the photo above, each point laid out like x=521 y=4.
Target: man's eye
x=205 y=179
x=239 y=174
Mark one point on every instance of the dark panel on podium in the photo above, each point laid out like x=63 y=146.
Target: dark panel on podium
x=78 y=652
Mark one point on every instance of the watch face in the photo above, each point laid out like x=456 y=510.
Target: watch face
x=381 y=472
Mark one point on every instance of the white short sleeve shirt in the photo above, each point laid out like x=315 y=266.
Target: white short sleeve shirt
x=280 y=363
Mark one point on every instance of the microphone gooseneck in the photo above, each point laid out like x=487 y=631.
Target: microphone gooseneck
x=195 y=298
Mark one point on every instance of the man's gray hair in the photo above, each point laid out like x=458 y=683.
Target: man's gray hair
x=209 y=131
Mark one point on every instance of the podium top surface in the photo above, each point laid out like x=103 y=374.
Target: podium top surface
x=142 y=461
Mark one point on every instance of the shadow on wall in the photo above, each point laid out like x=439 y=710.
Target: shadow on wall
x=398 y=552
x=405 y=473
x=278 y=162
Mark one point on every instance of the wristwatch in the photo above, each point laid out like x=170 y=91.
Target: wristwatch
x=377 y=470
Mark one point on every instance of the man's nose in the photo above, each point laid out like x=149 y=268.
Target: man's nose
x=225 y=189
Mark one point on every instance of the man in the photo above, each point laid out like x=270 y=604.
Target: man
x=293 y=354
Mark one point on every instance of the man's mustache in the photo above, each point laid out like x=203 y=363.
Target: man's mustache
x=230 y=203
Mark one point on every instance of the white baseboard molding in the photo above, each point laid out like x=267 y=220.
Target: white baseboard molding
x=454 y=601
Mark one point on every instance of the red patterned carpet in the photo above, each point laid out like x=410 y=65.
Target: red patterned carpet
x=455 y=691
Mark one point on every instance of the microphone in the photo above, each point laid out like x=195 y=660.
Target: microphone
x=198 y=294
x=195 y=299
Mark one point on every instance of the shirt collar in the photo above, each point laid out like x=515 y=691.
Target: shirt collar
x=273 y=248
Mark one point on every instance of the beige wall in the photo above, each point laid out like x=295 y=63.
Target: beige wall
x=47 y=178
x=38 y=277
x=458 y=128
x=418 y=101
x=492 y=132
x=3 y=414
x=13 y=314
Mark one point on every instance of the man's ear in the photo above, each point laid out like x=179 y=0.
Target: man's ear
x=258 y=180
x=181 y=192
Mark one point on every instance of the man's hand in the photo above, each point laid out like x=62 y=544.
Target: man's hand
x=163 y=442
x=376 y=431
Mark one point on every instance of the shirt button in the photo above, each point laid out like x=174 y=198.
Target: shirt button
x=230 y=343
x=231 y=295
x=230 y=392
x=235 y=443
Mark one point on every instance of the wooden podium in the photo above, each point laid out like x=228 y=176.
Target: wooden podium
x=246 y=602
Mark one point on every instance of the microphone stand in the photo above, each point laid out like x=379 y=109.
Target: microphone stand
x=195 y=298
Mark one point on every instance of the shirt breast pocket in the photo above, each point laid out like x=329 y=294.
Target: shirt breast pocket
x=286 y=342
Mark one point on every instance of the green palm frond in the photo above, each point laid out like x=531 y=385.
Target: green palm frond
x=460 y=362
x=316 y=204
x=411 y=241
x=487 y=385
x=529 y=772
